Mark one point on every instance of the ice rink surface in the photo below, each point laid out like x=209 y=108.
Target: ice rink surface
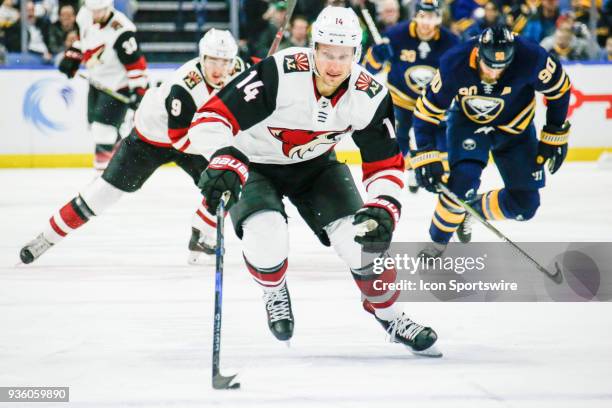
x=115 y=313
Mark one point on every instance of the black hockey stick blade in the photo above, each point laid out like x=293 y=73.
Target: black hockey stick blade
x=220 y=382
x=556 y=277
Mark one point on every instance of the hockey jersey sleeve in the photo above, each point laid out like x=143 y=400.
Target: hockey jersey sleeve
x=129 y=54
x=382 y=162
x=431 y=106
x=247 y=100
x=181 y=109
x=550 y=79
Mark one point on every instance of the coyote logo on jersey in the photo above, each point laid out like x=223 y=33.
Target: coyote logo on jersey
x=296 y=63
x=299 y=142
x=368 y=85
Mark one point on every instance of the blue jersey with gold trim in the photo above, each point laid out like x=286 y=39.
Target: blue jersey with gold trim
x=507 y=105
x=414 y=61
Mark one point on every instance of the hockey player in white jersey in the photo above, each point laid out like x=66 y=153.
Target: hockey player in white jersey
x=159 y=137
x=279 y=122
x=107 y=47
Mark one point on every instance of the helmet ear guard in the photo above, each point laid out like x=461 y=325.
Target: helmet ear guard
x=496 y=47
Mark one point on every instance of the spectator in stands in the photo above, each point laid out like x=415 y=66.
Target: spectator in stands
x=565 y=44
x=9 y=18
x=388 y=14
x=542 y=24
x=298 y=33
x=606 y=53
x=461 y=15
x=2 y=55
x=59 y=30
x=260 y=41
x=38 y=30
x=491 y=18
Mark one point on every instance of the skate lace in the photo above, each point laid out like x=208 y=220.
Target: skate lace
x=404 y=327
x=277 y=304
x=39 y=245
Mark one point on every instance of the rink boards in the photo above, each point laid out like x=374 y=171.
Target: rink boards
x=43 y=120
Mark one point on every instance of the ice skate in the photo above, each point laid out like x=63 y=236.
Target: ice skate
x=280 y=316
x=201 y=248
x=464 y=231
x=34 y=249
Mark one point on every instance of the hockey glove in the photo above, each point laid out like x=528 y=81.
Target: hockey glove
x=136 y=97
x=383 y=51
x=553 y=146
x=227 y=171
x=385 y=210
x=428 y=169
x=71 y=61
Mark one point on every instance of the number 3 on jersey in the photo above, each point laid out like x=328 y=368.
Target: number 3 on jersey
x=250 y=89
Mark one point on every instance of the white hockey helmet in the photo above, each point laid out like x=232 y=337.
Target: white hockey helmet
x=98 y=4
x=337 y=26
x=218 y=44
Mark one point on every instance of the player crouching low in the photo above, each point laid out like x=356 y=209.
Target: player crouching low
x=159 y=137
x=280 y=121
x=493 y=81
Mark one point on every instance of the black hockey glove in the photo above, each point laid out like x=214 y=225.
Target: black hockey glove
x=385 y=210
x=136 y=96
x=553 y=146
x=71 y=61
x=428 y=169
x=228 y=170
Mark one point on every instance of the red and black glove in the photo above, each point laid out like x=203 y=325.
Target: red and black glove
x=228 y=170
x=553 y=146
x=385 y=210
x=71 y=62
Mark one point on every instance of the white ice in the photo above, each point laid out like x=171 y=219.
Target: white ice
x=115 y=313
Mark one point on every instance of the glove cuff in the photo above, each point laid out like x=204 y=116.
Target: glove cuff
x=424 y=158
x=555 y=135
x=389 y=204
x=230 y=158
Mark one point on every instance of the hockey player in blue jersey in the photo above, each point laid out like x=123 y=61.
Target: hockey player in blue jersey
x=413 y=50
x=492 y=81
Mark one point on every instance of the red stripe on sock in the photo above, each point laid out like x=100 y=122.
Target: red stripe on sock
x=56 y=228
x=206 y=219
x=70 y=217
x=271 y=277
x=387 y=303
x=367 y=286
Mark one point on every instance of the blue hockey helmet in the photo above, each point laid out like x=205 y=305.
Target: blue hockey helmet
x=496 y=47
x=428 y=5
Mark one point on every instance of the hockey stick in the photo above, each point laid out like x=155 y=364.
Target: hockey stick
x=108 y=91
x=556 y=277
x=367 y=17
x=283 y=27
x=220 y=382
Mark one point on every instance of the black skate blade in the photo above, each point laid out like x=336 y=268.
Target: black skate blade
x=220 y=382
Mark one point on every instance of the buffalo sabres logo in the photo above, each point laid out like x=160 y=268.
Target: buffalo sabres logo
x=482 y=109
x=368 y=85
x=296 y=63
x=298 y=142
x=418 y=77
